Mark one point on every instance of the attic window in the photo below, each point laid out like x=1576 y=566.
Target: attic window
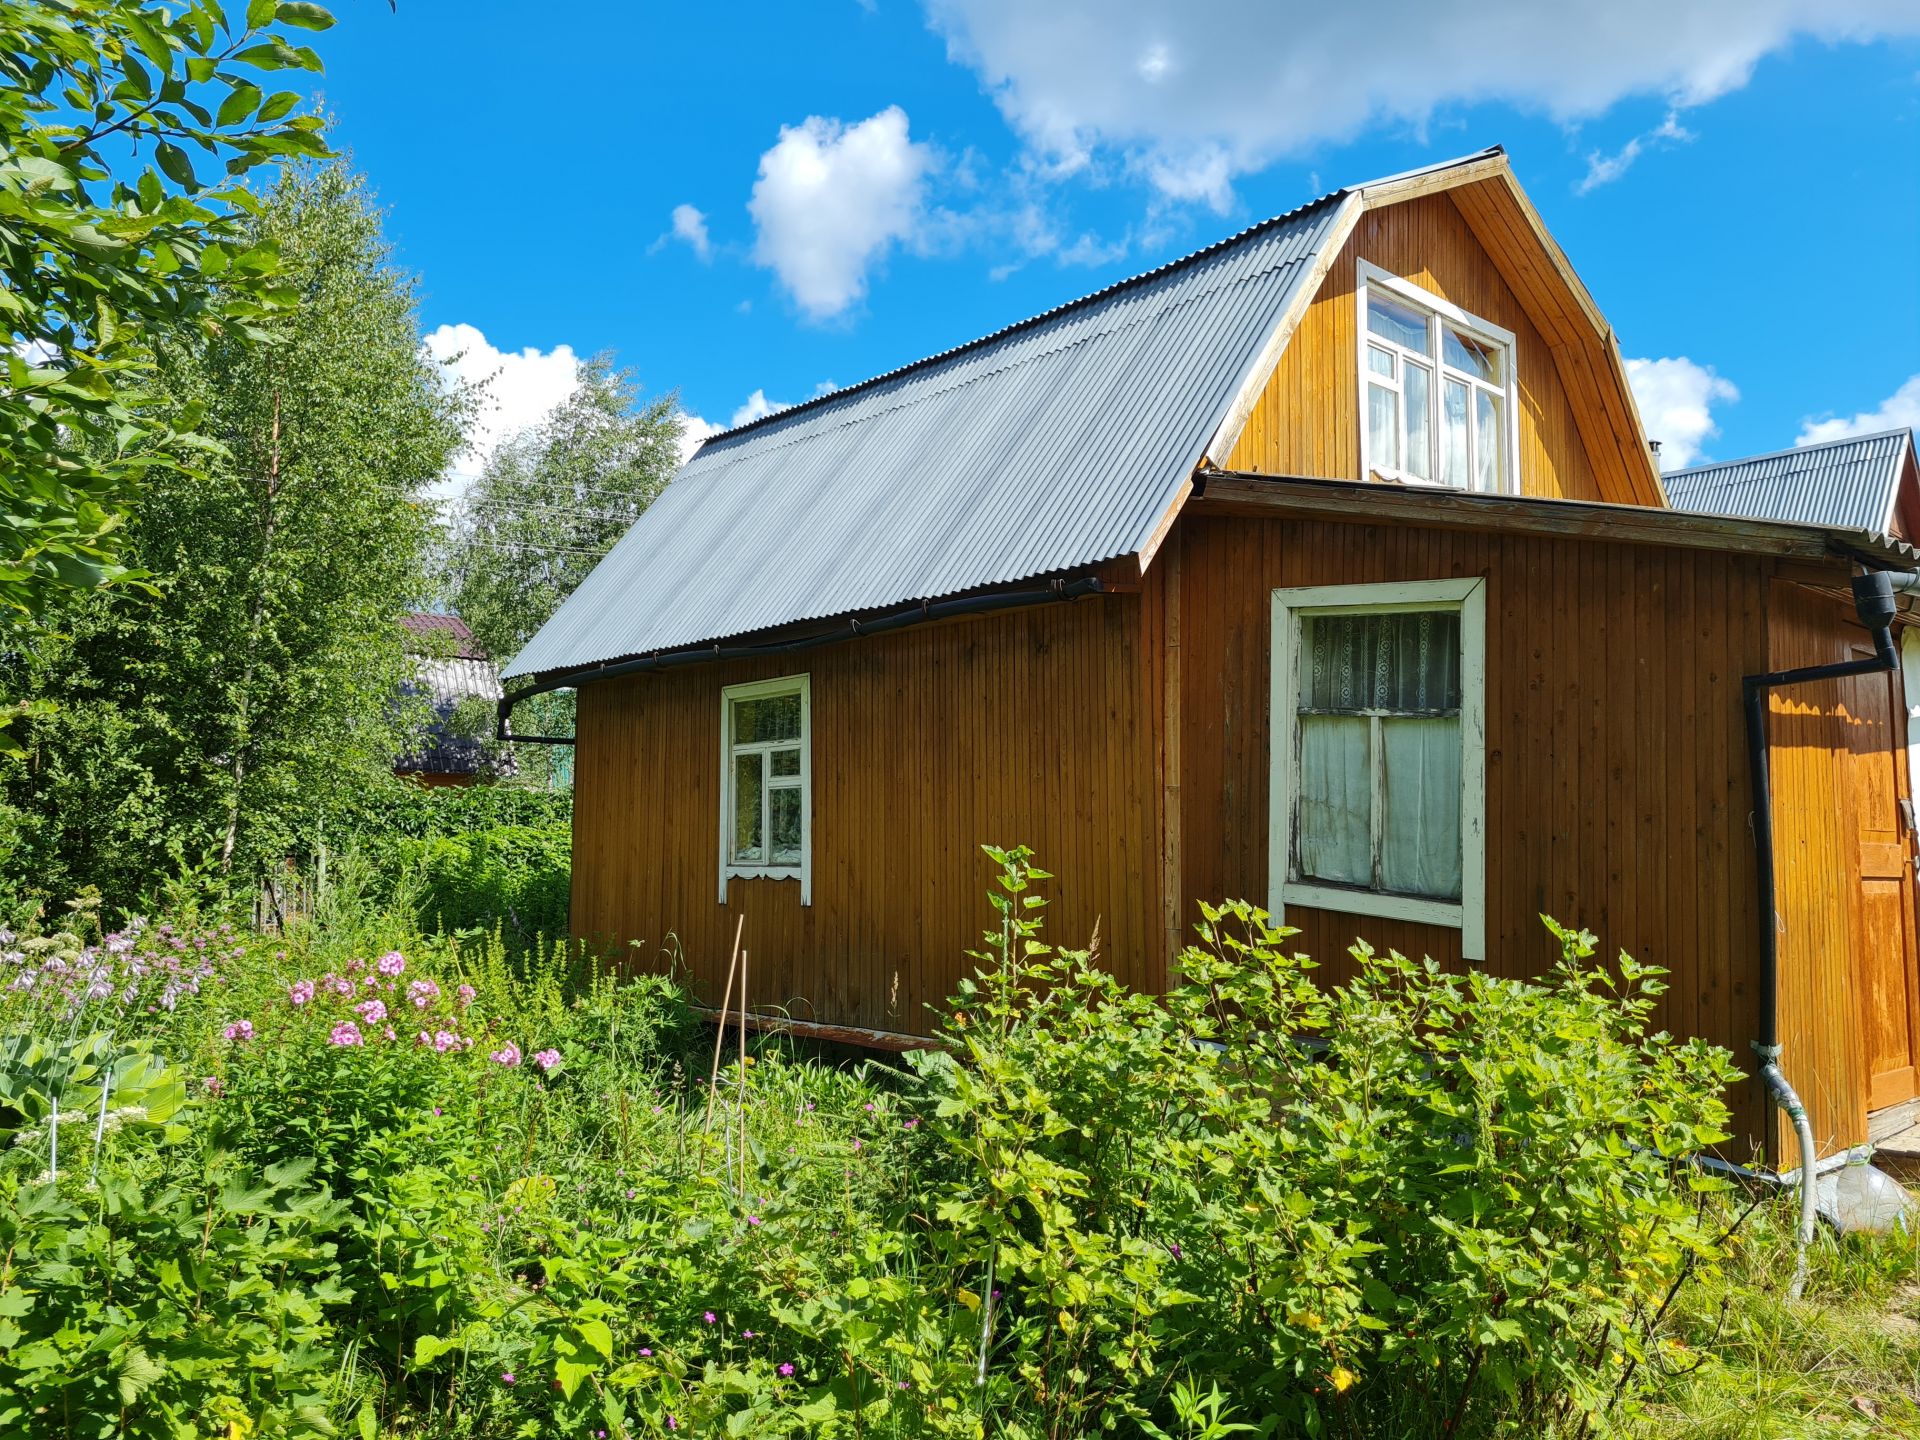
x=1437 y=387
x=766 y=819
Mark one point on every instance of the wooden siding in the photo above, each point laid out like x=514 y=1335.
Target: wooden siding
x=1617 y=794
x=1307 y=421
x=1018 y=728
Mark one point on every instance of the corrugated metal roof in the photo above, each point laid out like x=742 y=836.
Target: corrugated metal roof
x=1847 y=483
x=1055 y=444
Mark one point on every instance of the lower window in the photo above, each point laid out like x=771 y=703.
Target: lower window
x=766 y=822
x=1379 y=752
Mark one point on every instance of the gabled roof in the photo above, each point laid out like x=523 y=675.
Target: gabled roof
x=1853 y=482
x=1054 y=445
x=459 y=639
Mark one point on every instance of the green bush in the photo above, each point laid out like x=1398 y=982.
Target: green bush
x=517 y=877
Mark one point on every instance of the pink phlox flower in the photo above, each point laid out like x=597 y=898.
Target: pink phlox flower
x=392 y=963
x=508 y=1054
x=371 y=1011
x=240 y=1030
x=340 y=985
x=444 y=1040
x=388 y=1033
x=466 y=994
x=215 y=1085
x=300 y=992
x=422 y=993
x=546 y=1059
x=345 y=1033
x=353 y=965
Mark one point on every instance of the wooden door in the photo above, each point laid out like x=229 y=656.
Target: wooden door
x=1884 y=916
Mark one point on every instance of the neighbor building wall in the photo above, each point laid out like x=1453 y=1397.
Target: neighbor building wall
x=1307 y=420
x=1019 y=728
x=1617 y=795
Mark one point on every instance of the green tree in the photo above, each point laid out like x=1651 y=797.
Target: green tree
x=550 y=503
x=100 y=256
x=222 y=723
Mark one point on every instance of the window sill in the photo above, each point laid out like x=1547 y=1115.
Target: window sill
x=1371 y=902
x=768 y=872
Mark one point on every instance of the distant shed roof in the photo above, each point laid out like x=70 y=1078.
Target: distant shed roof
x=1852 y=483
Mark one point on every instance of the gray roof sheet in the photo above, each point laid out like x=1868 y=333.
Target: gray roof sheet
x=1848 y=483
x=1051 y=445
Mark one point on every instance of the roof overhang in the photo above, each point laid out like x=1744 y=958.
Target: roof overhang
x=1221 y=492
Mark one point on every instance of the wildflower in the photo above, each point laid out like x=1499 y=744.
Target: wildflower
x=746 y=1334
x=443 y=1041
x=391 y=963
x=672 y=1424
x=508 y=1054
x=646 y=1351
x=856 y=1145
x=466 y=994
x=869 y=1107
x=388 y=1033
x=913 y=1122
x=345 y=1033
x=422 y=992
x=546 y=1059
x=753 y=1219
x=1174 y=1249
x=300 y=992
x=340 y=985
x=371 y=1011
x=786 y=1367
x=1343 y=1379
x=214 y=1086
x=630 y=1194
x=506 y=1377
x=240 y=1030
x=711 y=1318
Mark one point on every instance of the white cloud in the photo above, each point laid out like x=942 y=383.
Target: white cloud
x=1900 y=408
x=1604 y=169
x=832 y=199
x=1676 y=400
x=1191 y=95
x=515 y=390
x=694 y=429
x=690 y=225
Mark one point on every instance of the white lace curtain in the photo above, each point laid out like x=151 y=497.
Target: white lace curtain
x=1379 y=752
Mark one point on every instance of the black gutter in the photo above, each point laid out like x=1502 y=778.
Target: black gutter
x=920 y=614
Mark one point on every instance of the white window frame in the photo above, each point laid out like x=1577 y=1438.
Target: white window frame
x=1467 y=596
x=1371 y=276
x=802 y=685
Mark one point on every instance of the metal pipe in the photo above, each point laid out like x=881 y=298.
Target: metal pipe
x=1873 y=599
x=925 y=610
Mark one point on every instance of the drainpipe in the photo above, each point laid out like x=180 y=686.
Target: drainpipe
x=1873 y=599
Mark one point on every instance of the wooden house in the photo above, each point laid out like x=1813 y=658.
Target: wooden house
x=1327 y=567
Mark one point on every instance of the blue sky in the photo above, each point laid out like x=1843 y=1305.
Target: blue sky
x=760 y=200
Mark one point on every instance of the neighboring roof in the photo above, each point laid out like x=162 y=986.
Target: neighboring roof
x=1852 y=483
x=429 y=623
x=446 y=679
x=1051 y=446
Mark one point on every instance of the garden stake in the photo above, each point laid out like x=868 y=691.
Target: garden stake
x=741 y=1089
x=720 y=1030
x=986 y=1319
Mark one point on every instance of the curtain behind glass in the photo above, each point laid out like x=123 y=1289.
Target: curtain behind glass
x=1407 y=663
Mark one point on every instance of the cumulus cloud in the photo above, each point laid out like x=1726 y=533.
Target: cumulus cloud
x=1191 y=95
x=1900 y=408
x=690 y=225
x=515 y=389
x=832 y=199
x=694 y=429
x=1676 y=399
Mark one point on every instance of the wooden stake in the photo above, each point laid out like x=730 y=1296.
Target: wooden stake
x=742 y=1088
x=720 y=1032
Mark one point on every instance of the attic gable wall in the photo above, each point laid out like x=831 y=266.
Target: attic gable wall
x=1307 y=421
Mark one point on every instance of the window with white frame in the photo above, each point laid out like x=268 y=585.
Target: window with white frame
x=1437 y=389
x=1379 y=739
x=766 y=821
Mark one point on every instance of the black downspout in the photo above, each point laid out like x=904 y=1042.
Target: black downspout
x=1873 y=599
x=1060 y=589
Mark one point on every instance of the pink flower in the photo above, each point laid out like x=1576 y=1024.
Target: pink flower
x=388 y=1033
x=422 y=993
x=913 y=1122
x=371 y=1011
x=444 y=1040
x=711 y=1318
x=300 y=992
x=240 y=1030
x=508 y=1054
x=786 y=1367
x=391 y=963
x=345 y=1033
x=506 y=1377
x=645 y=1351
x=753 y=1219
x=214 y=1085
x=546 y=1059
x=340 y=985
x=466 y=994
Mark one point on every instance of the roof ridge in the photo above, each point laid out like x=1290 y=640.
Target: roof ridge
x=1817 y=445
x=1239 y=237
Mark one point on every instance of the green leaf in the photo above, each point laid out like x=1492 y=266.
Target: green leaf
x=596 y=1334
x=244 y=100
x=279 y=104
x=260 y=12
x=175 y=165
x=570 y=1373
x=138 y=1371
x=305 y=16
